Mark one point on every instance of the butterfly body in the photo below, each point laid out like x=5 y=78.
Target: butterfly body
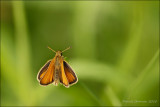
x=57 y=67
x=55 y=71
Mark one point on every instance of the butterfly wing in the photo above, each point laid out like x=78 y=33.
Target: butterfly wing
x=43 y=70
x=48 y=76
x=71 y=76
x=62 y=75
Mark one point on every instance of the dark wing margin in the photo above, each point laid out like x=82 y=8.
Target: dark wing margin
x=71 y=76
x=43 y=70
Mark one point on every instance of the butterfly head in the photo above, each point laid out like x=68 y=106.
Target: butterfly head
x=59 y=53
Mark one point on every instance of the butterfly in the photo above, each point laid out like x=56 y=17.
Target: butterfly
x=57 y=70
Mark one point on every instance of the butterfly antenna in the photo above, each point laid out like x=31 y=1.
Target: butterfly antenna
x=66 y=49
x=51 y=49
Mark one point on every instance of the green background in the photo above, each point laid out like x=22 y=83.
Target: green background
x=115 y=52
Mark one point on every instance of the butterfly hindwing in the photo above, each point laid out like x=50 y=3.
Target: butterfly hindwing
x=71 y=76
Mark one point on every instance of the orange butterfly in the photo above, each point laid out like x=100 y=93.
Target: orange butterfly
x=56 y=70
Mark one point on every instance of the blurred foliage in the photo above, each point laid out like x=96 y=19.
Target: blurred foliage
x=115 y=52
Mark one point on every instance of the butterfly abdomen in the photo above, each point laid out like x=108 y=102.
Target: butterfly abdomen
x=56 y=77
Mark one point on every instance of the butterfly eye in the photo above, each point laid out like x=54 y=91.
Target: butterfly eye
x=61 y=53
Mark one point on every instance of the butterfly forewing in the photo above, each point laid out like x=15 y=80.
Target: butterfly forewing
x=43 y=70
x=71 y=76
x=62 y=76
x=48 y=75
